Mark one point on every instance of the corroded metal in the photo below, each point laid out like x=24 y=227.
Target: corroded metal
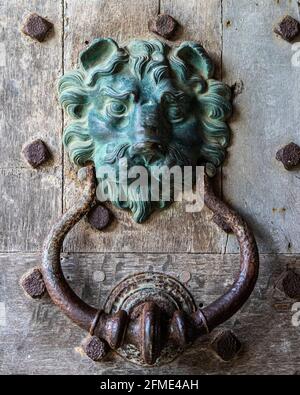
x=144 y=104
x=99 y=217
x=289 y=156
x=150 y=297
x=164 y=25
x=33 y=283
x=36 y=27
x=151 y=105
x=226 y=345
x=36 y=153
x=288 y=28
x=149 y=313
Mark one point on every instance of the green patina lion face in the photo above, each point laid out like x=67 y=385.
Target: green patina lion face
x=148 y=103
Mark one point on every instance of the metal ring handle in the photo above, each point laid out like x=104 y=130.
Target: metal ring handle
x=144 y=330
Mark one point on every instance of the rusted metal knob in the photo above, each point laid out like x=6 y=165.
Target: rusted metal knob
x=111 y=328
x=150 y=332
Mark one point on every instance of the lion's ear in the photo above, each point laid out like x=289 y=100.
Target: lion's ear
x=195 y=57
x=99 y=52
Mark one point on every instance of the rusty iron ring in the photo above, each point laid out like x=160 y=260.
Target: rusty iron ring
x=144 y=331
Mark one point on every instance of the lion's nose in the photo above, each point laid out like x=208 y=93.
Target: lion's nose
x=147 y=146
x=150 y=117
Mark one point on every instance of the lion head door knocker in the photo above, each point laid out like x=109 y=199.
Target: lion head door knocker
x=153 y=106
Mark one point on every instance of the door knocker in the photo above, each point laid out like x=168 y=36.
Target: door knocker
x=150 y=105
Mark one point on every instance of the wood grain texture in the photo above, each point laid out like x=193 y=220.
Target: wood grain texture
x=200 y=21
x=31 y=200
x=31 y=203
x=173 y=230
x=266 y=118
x=28 y=82
x=36 y=338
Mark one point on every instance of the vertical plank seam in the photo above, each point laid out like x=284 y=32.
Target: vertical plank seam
x=62 y=112
x=221 y=71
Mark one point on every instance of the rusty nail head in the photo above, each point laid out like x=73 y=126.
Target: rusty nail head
x=164 y=25
x=185 y=276
x=289 y=156
x=33 y=283
x=36 y=27
x=226 y=345
x=288 y=28
x=237 y=88
x=291 y=284
x=95 y=348
x=36 y=153
x=99 y=217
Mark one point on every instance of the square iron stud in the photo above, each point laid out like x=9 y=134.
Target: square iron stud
x=289 y=156
x=99 y=217
x=95 y=348
x=164 y=25
x=291 y=284
x=218 y=220
x=288 y=28
x=36 y=153
x=36 y=27
x=226 y=345
x=33 y=283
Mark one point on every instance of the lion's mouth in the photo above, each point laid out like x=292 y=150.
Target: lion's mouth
x=147 y=152
x=150 y=151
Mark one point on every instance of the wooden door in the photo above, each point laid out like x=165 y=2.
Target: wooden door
x=35 y=337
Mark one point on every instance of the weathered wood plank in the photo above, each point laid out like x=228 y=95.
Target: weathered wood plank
x=31 y=200
x=36 y=338
x=200 y=21
x=173 y=230
x=31 y=203
x=267 y=118
x=28 y=82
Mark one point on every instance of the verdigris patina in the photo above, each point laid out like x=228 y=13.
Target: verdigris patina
x=148 y=103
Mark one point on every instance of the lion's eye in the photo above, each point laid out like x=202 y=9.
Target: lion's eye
x=116 y=109
x=175 y=114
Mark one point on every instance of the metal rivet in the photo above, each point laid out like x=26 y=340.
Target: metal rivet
x=226 y=345
x=36 y=27
x=218 y=220
x=289 y=156
x=99 y=217
x=36 y=153
x=164 y=25
x=99 y=276
x=291 y=284
x=33 y=283
x=95 y=348
x=288 y=28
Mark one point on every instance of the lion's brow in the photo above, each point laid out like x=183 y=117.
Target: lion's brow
x=107 y=90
